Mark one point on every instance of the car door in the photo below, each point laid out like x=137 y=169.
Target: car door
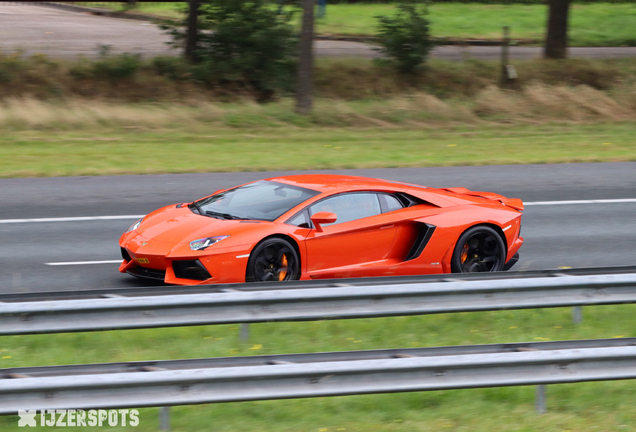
x=359 y=241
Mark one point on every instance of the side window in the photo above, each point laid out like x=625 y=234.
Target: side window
x=301 y=220
x=348 y=207
x=389 y=203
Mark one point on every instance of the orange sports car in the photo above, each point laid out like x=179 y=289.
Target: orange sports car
x=324 y=226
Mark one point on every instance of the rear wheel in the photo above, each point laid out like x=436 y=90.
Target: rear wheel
x=479 y=249
x=273 y=260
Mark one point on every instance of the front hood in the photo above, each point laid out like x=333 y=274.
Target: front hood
x=168 y=231
x=173 y=225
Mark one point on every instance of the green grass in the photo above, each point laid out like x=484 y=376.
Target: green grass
x=604 y=406
x=244 y=148
x=599 y=24
x=170 y=10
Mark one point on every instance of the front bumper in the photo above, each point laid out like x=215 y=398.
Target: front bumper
x=224 y=266
x=147 y=273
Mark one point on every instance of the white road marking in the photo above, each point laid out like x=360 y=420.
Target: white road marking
x=83 y=263
x=70 y=219
x=94 y=218
x=606 y=201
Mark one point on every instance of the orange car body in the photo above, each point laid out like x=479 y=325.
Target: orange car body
x=379 y=245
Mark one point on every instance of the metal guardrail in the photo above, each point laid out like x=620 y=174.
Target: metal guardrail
x=262 y=360
x=322 y=283
x=314 y=375
x=314 y=303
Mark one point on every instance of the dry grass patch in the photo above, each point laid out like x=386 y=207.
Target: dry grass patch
x=32 y=113
x=540 y=102
x=534 y=103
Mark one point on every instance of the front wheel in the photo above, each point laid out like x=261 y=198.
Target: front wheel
x=273 y=260
x=479 y=249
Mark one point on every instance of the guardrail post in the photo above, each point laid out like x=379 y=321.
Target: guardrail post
x=540 y=399
x=164 y=418
x=245 y=332
x=577 y=314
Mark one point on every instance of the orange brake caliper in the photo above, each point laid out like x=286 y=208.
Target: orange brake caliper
x=464 y=255
x=283 y=269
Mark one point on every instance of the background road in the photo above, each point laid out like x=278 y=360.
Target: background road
x=57 y=33
x=575 y=235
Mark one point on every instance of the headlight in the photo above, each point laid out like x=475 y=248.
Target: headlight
x=134 y=226
x=204 y=243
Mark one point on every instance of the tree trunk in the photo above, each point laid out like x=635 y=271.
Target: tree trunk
x=304 y=88
x=192 y=35
x=556 y=42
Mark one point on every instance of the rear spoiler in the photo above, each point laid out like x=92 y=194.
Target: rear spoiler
x=515 y=203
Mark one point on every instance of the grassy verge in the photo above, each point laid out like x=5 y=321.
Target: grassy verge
x=128 y=78
x=577 y=407
x=196 y=147
x=599 y=24
x=366 y=116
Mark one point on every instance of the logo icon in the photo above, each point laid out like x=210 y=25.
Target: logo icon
x=27 y=418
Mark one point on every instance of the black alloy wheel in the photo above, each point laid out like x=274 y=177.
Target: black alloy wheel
x=479 y=249
x=273 y=260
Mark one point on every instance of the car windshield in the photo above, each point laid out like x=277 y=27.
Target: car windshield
x=261 y=200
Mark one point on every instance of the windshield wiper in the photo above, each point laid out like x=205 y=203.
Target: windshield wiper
x=223 y=215
x=196 y=206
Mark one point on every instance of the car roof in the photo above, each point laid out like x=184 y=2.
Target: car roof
x=341 y=183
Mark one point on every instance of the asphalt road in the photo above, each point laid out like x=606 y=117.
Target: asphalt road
x=62 y=34
x=575 y=235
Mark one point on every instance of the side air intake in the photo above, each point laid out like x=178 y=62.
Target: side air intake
x=423 y=236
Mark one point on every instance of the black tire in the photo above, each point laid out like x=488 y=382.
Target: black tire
x=273 y=260
x=479 y=249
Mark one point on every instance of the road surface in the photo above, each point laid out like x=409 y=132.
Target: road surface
x=560 y=234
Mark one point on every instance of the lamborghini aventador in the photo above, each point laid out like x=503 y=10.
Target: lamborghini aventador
x=324 y=226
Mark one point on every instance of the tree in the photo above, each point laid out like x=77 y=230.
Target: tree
x=556 y=41
x=304 y=87
x=192 y=32
x=239 y=44
x=404 y=37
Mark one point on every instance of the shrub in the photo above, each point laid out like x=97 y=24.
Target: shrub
x=173 y=68
x=113 y=67
x=81 y=69
x=404 y=37
x=245 y=43
x=11 y=67
x=116 y=66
